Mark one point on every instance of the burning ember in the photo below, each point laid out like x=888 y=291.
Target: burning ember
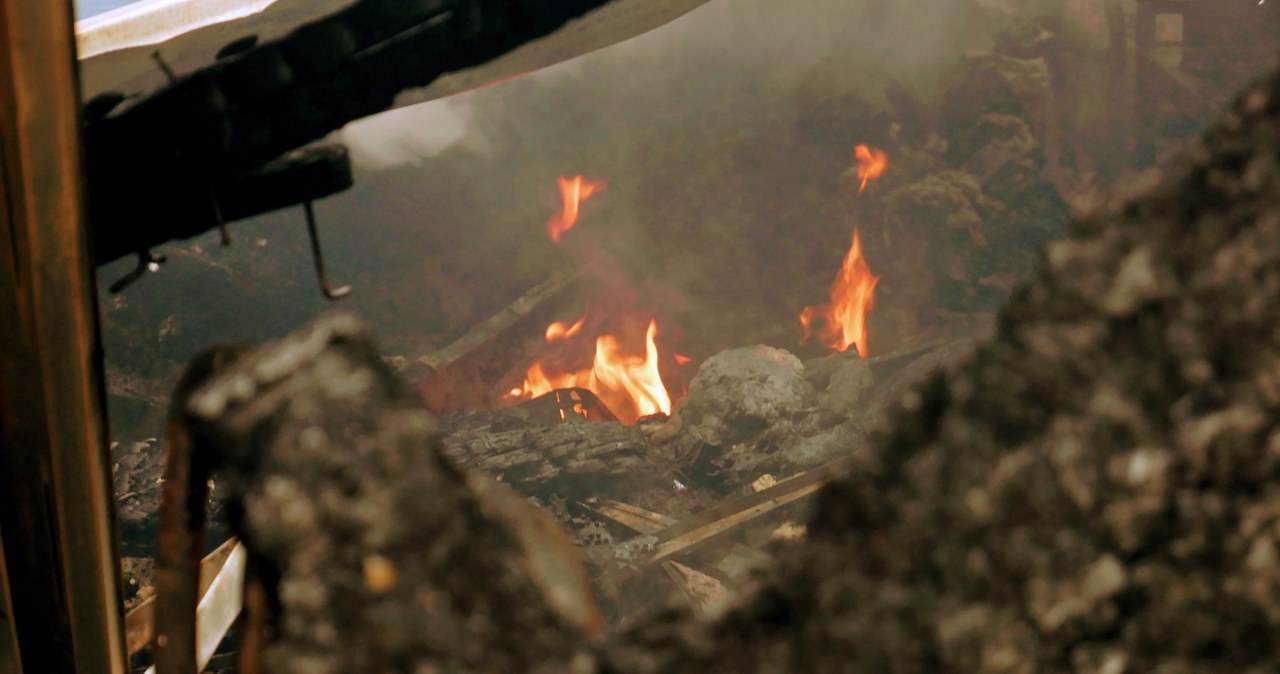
x=573 y=191
x=844 y=320
x=871 y=164
x=629 y=385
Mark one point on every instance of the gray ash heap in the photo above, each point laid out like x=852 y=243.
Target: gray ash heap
x=1095 y=490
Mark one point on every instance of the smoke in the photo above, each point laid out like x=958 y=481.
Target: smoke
x=408 y=136
x=723 y=136
x=751 y=47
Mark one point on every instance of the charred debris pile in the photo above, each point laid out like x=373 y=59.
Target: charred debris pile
x=1092 y=490
x=968 y=197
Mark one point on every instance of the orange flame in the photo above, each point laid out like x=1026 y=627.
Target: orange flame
x=637 y=377
x=852 y=296
x=872 y=164
x=573 y=191
x=557 y=330
x=629 y=385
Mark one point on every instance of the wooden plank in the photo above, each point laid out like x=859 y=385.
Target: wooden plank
x=635 y=518
x=696 y=531
x=139 y=627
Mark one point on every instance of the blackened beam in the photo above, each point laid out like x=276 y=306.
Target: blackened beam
x=157 y=166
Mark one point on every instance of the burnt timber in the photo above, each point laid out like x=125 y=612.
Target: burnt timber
x=166 y=166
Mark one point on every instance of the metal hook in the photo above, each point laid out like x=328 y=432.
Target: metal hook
x=146 y=263
x=318 y=259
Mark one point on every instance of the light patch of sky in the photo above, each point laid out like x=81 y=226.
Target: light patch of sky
x=88 y=8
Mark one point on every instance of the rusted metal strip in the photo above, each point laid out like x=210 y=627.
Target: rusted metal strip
x=139 y=625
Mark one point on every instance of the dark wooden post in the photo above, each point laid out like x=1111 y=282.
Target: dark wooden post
x=56 y=518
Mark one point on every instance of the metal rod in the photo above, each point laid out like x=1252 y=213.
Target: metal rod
x=180 y=544
x=317 y=258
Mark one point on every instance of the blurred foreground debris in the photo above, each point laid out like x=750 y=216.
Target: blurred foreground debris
x=385 y=557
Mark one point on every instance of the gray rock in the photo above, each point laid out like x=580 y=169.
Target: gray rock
x=741 y=391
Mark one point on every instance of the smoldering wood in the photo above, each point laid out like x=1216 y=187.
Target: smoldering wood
x=522 y=447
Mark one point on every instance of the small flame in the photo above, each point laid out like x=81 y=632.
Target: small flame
x=558 y=330
x=872 y=164
x=682 y=359
x=573 y=191
x=630 y=385
x=852 y=296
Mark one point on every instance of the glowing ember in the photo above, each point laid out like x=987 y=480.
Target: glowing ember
x=872 y=164
x=629 y=385
x=573 y=191
x=844 y=320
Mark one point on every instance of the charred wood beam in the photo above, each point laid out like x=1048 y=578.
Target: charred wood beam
x=158 y=167
x=61 y=556
x=522 y=446
x=463 y=374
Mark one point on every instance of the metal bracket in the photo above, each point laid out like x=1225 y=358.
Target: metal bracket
x=147 y=262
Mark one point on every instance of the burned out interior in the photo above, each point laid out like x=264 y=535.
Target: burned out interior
x=659 y=301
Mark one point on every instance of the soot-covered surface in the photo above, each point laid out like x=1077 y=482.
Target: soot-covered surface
x=1093 y=491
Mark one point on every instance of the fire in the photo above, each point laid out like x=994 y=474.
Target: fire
x=852 y=296
x=872 y=164
x=573 y=191
x=629 y=384
x=614 y=373
x=558 y=330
